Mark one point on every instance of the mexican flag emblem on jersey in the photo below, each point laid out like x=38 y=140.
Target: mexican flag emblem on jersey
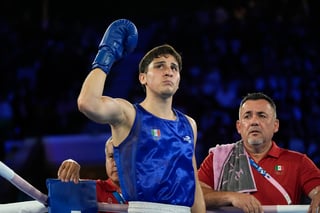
x=278 y=168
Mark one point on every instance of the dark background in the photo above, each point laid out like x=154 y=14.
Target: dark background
x=229 y=48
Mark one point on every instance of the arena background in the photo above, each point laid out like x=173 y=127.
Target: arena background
x=229 y=48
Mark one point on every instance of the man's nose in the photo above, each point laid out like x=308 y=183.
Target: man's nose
x=168 y=71
x=254 y=120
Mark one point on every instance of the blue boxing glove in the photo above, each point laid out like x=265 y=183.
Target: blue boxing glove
x=120 y=39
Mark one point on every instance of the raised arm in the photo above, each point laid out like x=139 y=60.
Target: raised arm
x=119 y=40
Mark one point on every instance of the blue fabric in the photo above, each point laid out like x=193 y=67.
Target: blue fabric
x=64 y=197
x=155 y=161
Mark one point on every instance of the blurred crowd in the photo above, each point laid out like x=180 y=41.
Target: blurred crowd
x=229 y=49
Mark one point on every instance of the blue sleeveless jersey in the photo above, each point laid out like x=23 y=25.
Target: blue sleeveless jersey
x=155 y=161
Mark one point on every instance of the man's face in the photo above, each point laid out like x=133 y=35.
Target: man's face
x=162 y=76
x=110 y=164
x=257 y=122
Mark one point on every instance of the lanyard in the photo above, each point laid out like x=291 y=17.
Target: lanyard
x=271 y=180
x=119 y=197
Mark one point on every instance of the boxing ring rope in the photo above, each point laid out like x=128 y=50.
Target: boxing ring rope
x=22 y=184
x=39 y=205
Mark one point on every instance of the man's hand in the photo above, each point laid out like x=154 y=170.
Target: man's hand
x=69 y=170
x=248 y=203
